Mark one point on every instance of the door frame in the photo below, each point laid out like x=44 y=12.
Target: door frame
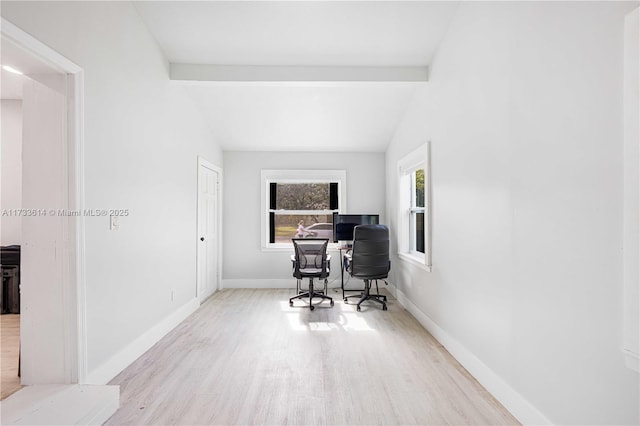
x=202 y=162
x=72 y=259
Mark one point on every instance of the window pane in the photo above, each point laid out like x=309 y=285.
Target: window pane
x=303 y=196
x=288 y=226
x=420 y=232
x=419 y=185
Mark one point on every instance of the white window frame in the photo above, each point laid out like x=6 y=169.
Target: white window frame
x=298 y=176
x=419 y=158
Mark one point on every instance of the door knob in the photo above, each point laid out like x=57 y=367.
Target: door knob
x=201 y=238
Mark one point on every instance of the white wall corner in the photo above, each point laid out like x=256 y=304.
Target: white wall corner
x=632 y=360
x=515 y=403
x=121 y=360
x=631 y=187
x=391 y=288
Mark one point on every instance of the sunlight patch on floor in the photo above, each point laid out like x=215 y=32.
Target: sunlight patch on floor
x=347 y=318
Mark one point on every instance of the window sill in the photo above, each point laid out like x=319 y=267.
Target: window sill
x=414 y=260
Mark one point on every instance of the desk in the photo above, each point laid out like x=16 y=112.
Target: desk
x=343 y=250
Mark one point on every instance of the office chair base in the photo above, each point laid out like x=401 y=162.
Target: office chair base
x=311 y=297
x=375 y=297
x=366 y=295
x=311 y=294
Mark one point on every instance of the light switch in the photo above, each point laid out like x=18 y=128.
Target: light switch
x=114 y=225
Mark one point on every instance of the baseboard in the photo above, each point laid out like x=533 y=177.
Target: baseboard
x=517 y=405
x=288 y=283
x=118 y=362
x=271 y=283
x=259 y=283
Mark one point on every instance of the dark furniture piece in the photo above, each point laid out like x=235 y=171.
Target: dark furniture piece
x=310 y=261
x=343 y=225
x=369 y=260
x=10 y=295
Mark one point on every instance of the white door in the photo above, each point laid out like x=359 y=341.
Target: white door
x=208 y=232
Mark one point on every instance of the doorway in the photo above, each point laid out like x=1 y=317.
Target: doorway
x=51 y=323
x=208 y=233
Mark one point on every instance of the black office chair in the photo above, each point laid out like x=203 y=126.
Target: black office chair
x=369 y=260
x=310 y=261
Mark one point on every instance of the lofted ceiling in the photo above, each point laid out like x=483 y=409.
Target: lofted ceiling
x=296 y=113
x=365 y=33
x=350 y=117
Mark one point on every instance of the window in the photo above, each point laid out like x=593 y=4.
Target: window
x=414 y=208
x=300 y=203
x=416 y=211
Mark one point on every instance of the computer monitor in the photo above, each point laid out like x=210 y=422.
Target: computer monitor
x=343 y=224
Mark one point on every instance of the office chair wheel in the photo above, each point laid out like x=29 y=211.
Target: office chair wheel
x=384 y=307
x=311 y=307
x=345 y=300
x=290 y=303
x=332 y=303
x=358 y=308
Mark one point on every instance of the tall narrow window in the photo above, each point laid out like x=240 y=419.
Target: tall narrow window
x=300 y=203
x=416 y=211
x=414 y=207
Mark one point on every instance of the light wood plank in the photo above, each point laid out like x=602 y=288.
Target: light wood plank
x=246 y=357
x=10 y=341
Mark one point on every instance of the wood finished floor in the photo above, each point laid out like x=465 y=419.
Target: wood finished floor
x=246 y=357
x=10 y=341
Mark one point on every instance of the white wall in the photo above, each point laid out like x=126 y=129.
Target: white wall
x=142 y=138
x=524 y=111
x=631 y=230
x=245 y=264
x=11 y=230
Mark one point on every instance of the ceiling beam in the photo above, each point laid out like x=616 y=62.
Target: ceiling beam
x=244 y=73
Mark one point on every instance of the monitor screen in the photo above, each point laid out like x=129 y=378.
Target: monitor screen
x=343 y=224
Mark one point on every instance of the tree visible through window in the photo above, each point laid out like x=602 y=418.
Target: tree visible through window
x=302 y=196
x=416 y=211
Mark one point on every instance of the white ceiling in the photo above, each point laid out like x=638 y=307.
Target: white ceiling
x=349 y=117
x=305 y=116
x=337 y=33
